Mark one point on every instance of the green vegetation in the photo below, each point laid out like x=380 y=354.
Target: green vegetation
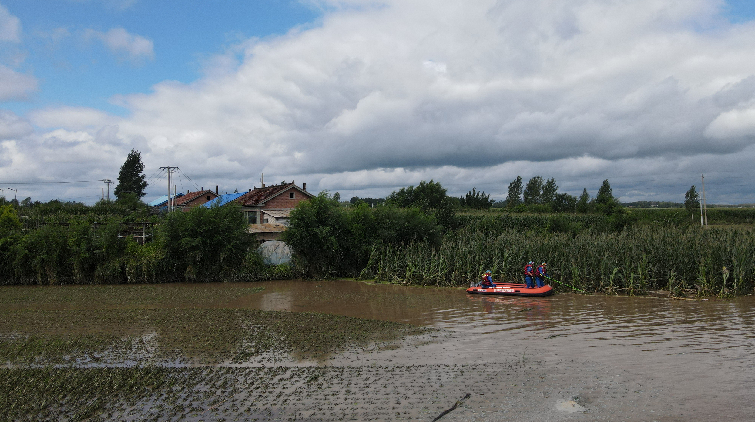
x=64 y=243
x=600 y=246
x=329 y=240
x=131 y=179
x=476 y=200
x=685 y=261
x=418 y=235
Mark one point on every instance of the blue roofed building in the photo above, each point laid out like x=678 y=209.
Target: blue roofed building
x=223 y=199
x=161 y=203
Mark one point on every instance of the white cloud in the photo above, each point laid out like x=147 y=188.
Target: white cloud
x=12 y=126
x=121 y=42
x=647 y=94
x=738 y=123
x=14 y=85
x=77 y=118
x=10 y=26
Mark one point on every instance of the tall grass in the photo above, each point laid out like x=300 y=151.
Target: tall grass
x=715 y=261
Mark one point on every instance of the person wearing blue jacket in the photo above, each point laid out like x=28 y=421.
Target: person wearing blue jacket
x=528 y=273
x=487 y=280
x=540 y=274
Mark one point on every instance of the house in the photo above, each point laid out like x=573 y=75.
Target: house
x=272 y=204
x=161 y=203
x=267 y=209
x=194 y=199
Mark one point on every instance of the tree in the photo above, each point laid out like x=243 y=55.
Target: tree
x=605 y=202
x=550 y=188
x=131 y=179
x=204 y=244
x=583 y=203
x=605 y=194
x=514 y=197
x=533 y=192
x=692 y=200
x=9 y=221
x=563 y=202
x=430 y=197
x=476 y=200
x=355 y=200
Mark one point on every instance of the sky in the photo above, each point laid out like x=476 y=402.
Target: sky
x=364 y=97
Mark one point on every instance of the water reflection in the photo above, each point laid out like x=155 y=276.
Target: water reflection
x=569 y=323
x=651 y=324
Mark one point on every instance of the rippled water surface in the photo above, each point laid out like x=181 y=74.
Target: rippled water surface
x=702 y=350
x=661 y=325
x=691 y=358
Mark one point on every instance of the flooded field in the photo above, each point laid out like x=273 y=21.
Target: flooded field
x=344 y=350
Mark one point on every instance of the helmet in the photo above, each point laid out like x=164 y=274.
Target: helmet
x=532 y=262
x=487 y=272
x=543 y=263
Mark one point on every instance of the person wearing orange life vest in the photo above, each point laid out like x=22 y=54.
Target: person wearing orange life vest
x=540 y=274
x=528 y=273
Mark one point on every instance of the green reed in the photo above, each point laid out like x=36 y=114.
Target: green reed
x=685 y=261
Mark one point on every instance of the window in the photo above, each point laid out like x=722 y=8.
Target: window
x=251 y=217
x=291 y=195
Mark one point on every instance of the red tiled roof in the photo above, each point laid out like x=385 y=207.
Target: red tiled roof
x=192 y=196
x=259 y=196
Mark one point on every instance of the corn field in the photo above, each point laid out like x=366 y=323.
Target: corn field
x=684 y=261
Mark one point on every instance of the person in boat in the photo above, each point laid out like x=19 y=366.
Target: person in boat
x=487 y=280
x=529 y=271
x=540 y=274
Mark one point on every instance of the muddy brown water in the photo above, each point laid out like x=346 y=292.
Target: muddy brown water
x=682 y=359
x=564 y=357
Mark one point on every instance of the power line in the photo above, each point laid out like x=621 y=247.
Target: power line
x=49 y=182
x=187 y=176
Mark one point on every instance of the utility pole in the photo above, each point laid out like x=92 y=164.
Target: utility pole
x=107 y=182
x=169 y=169
x=704 y=209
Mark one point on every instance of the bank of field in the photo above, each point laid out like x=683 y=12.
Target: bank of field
x=620 y=251
x=589 y=253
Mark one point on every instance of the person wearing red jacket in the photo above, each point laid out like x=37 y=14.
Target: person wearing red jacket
x=540 y=274
x=528 y=273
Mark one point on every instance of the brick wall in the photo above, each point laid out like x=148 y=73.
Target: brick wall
x=283 y=201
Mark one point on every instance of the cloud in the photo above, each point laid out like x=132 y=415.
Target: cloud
x=14 y=85
x=10 y=26
x=648 y=94
x=121 y=42
x=76 y=118
x=12 y=126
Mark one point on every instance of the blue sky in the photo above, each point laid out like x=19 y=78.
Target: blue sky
x=367 y=96
x=74 y=70
x=740 y=10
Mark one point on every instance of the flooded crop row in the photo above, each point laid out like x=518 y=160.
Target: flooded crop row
x=332 y=350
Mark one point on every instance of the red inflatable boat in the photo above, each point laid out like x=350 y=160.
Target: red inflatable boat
x=511 y=289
